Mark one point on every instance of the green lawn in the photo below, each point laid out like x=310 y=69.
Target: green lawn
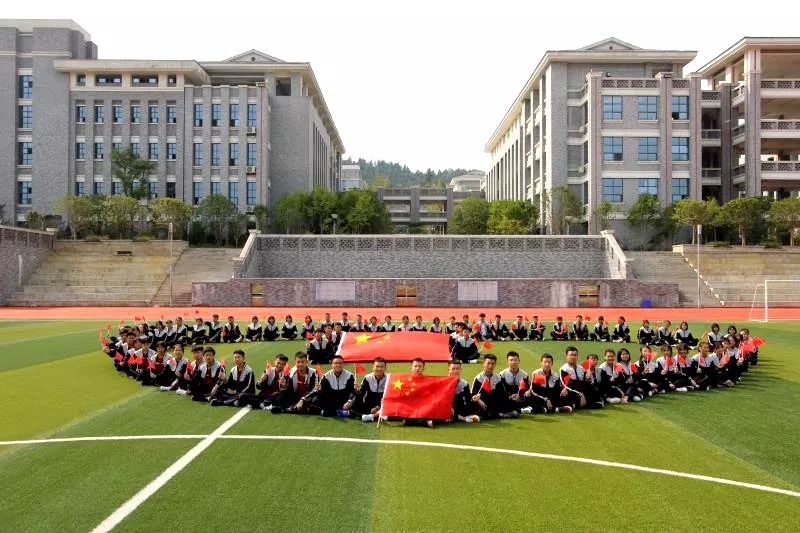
x=55 y=383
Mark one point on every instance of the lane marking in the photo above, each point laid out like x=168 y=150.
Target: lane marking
x=151 y=488
x=218 y=434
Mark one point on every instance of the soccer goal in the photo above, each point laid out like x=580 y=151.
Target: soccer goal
x=774 y=293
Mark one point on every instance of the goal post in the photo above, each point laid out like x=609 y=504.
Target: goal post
x=780 y=291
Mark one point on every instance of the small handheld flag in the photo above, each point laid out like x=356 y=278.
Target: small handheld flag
x=587 y=364
x=539 y=379
x=487 y=345
x=566 y=378
x=523 y=385
x=360 y=370
x=318 y=370
x=619 y=368
x=486 y=386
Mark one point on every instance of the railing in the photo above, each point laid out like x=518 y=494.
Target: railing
x=577 y=172
x=399 y=209
x=680 y=83
x=738 y=130
x=577 y=95
x=27 y=237
x=737 y=91
x=709 y=96
x=629 y=83
x=710 y=172
x=780 y=84
x=711 y=134
x=780 y=166
x=780 y=125
x=241 y=264
x=738 y=170
x=617 y=261
x=396 y=192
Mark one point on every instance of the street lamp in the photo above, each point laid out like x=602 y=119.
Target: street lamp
x=334 y=217
x=699 y=234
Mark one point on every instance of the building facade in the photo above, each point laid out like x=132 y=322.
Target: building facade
x=472 y=181
x=251 y=127
x=612 y=121
x=418 y=206
x=351 y=178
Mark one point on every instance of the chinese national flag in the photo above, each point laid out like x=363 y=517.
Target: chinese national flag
x=359 y=346
x=118 y=357
x=565 y=379
x=426 y=397
x=619 y=369
x=758 y=341
x=539 y=379
x=587 y=364
x=523 y=386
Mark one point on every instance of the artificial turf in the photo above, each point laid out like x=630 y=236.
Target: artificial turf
x=56 y=383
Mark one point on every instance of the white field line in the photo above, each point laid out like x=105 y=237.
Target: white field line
x=521 y=453
x=42 y=337
x=151 y=488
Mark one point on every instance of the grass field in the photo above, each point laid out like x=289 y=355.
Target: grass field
x=56 y=384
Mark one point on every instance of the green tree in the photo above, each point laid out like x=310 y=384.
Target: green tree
x=512 y=217
x=470 y=217
x=129 y=169
x=166 y=210
x=261 y=214
x=381 y=181
x=120 y=213
x=34 y=220
x=76 y=210
x=322 y=204
x=290 y=213
x=784 y=215
x=644 y=214
x=695 y=213
x=566 y=207
x=237 y=226
x=743 y=214
x=603 y=213
x=215 y=212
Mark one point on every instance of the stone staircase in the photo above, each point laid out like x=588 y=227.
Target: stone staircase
x=195 y=264
x=670 y=267
x=99 y=273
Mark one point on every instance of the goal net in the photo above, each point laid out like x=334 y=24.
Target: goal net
x=774 y=293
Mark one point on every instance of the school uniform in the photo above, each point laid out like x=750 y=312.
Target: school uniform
x=346 y=326
x=298 y=387
x=320 y=352
x=370 y=395
x=289 y=331
x=271 y=332
x=512 y=383
x=181 y=334
x=214 y=331
x=498 y=332
x=239 y=383
x=536 y=331
x=645 y=375
x=610 y=380
x=374 y=328
x=199 y=334
x=627 y=382
x=559 y=332
x=546 y=387
x=404 y=327
x=715 y=338
x=436 y=329
x=580 y=332
x=518 y=331
x=159 y=372
x=496 y=399
x=231 y=333
x=707 y=371
x=177 y=370
x=600 y=333
x=621 y=333
x=465 y=349
x=357 y=326
x=417 y=326
x=463 y=405
x=483 y=332
x=577 y=381
x=308 y=329
x=170 y=335
x=335 y=391
x=388 y=327
x=665 y=337
x=206 y=381
x=268 y=388
x=646 y=336
x=254 y=332
x=684 y=336
x=450 y=328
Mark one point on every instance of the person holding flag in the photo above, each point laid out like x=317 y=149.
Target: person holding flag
x=239 y=386
x=270 y=386
x=337 y=390
x=610 y=378
x=514 y=379
x=577 y=383
x=464 y=407
x=632 y=390
x=156 y=372
x=175 y=369
x=490 y=393
x=536 y=329
x=518 y=330
x=417 y=399
x=208 y=378
x=546 y=390
x=366 y=402
x=301 y=383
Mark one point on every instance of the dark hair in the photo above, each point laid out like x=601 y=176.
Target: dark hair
x=379 y=360
x=546 y=356
x=209 y=349
x=197 y=348
x=570 y=349
x=610 y=351
x=281 y=357
x=454 y=362
x=592 y=356
x=300 y=355
x=419 y=360
x=490 y=357
x=161 y=344
x=512 y=354
x=335 y=357
x=240 y=352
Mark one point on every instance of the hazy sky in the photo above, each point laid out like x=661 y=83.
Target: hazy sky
x=421 y=83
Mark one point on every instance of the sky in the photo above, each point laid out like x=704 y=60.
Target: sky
x=422 y=83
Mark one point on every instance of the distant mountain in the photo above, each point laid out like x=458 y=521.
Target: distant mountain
x=401 y=176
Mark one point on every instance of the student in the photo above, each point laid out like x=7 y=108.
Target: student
x=141 y=370
x=181 y=331
x=497 y=330
x=518 y=330
x=665 y=371
x=254 y=330
x=289 y=329
x=646 y=335
x=373 y=326
x=336 y=336
x=208 y=378
x=436 y=326
x=491 y=397
x=610 y=379
x=621 y=333
x=369 y=394
x=231 y=331
x=183 y=385
x=465 y=349
x=199 y=331
x=632 y=391
x=645 y=371
x=404 y=324
x=387 y=324
x=681 y=372
x=601 y=330
x=748 y=346
x=358 y=324
x=464 y=407
x=513 y=377
x=270 y=386
x=308 y=327
x=546 y=391
x=326 y=321
x=301 y=382
x=665 y=335
x=156 y=366
x=240 y=385
x=481 y=328
x=450 y=328
x=337 y=390
x=345 y=321
x=271 y=332
x=684 y=336
x=560 y=331
x=536 y=329
x=580 y=331
x=214 y=329
x=466 y=322
x=733 y=331
x=417 y=370
x=158 y=333
x=320 y=350
x=170 y=333
x=579 y=386
x=418 y=324
x=707 y=367
x=123 y=350
x=177 y=370
x=715 y=336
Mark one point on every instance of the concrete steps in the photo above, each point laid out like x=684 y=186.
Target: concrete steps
x=669 y=267
x=195 y=264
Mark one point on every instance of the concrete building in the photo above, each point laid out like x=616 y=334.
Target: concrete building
x=414 y=206
x=251 y=127
x=469 y=182
x=351 y=178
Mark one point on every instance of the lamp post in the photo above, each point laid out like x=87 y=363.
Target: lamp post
x=699 y=233
x=334 y=217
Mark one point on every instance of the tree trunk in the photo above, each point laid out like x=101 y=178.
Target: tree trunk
x=742 y=235
x=694 y=233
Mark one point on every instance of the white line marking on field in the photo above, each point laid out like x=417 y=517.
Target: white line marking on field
x=151 y=488
x=42 y=337
x=139 y=498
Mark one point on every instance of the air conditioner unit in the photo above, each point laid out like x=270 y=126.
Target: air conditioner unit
x=251 y=170
x=261 y=84
x=251 y=131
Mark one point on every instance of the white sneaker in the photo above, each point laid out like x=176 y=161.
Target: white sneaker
x=613 y=400
x=181 y=392
x=367 y=418
x=163 y=388
x=267 y=407
x=637 y=398
x=473 y=361
x=681 y=389
x=526 y=410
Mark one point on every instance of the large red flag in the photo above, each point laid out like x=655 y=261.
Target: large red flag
x=359 y=346
x=427 y=397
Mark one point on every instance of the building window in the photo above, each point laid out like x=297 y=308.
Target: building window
x=283 y=87
x=612 y=190
x=98 y=114
x=172 y=80
x=234 y=115
x=80 y=114
x=680 y=108
x=170 y=189
x=172 y=151
x=152 y=113
x=216 y=115
x=26 y=86
x=197 y=113
x=25 y=153
x=144 y=79
x=233 y=153
x=216 y=154
x=680 y=189
x=197 y=154
x=80 y=151
x=648 y=186
x=116 y=188
x=215 y=187
x=251 y=154
x=80 y=188
x=136 y=114
x=116 y=147
x=612 y=108
x=98 y=151
x=116 y=114
x=252 y=115
x=197 y=192
x=24 y=192
x=648 y=148
x=251 y=193
x=136 y=149
x=648 y=107
x=172 y=114
x=99 y=188
x=233 y=192
x=152 y=150
x=80 y=80
x=151 y=189
x=680 y=148
x=612 y=148
x=108 y=79
x=25 y=119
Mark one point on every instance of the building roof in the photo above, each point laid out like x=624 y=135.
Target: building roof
x=609 y=50
x=191 y=69
x=732 y=52
x=28 y=25
x=253 y=56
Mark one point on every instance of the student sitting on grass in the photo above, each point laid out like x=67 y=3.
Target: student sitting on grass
x=621 y=333
x=601 y=330
x=646 y=334
x=684 y=336
x=239 y=386
x=289 y=329
x=490 y=393
x=208 y=378
x=611 y=378
x=254 y=330
x=465 y=409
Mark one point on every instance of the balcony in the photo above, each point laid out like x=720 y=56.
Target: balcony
x=629 y=83
x=709 y=99
x=537 y=115
x=784 y=129
x=785 y=88
x=711 y=172
x=578 y=94
x=737 y=94
x=577 y=172
x=738 y=133
x=680 y=83
x=711 y=137
x=780 y=170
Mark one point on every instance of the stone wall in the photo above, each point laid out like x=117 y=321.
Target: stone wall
x=32 y=246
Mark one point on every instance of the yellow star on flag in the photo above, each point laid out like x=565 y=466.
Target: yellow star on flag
x=398 y=385
x=361 y=339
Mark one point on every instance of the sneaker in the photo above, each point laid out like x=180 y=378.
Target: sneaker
x=429 y=423
x=163 y=388
x=266 y=407
x=510 y=414
x=682 y=389
x=474 y=419
x=367 y=418
x=181 y=392
x=543 y=410
x=473 y=361
x=614 y=400
x=526 y=410
x=662 y=392
x=649 y=393
x=637 y=398
x=565 y=409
